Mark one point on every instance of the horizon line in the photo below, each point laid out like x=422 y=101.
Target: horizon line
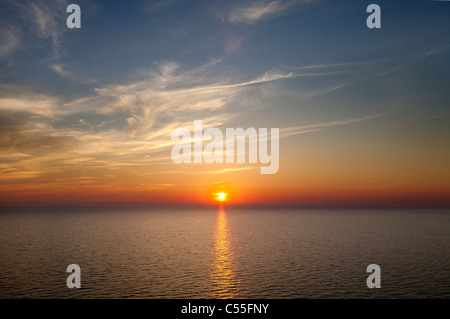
x=229 y=205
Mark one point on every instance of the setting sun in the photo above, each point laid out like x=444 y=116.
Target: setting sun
x=221 y=197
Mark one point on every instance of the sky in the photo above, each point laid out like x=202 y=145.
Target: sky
x=86 y=115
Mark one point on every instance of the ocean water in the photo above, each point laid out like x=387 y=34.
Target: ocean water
x=224 y=252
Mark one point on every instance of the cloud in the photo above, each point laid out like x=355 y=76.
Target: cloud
x=122 y=129
x=233 y=43
x=33 y=103
x=335 y=65
x=159 y=5
x=309 y=128
x=260 y=10
x=169 y=93
x=139 y=115
x=48 y=18
x=60 y=69
x=9 y=40
x=44 y=19
x=226 y=170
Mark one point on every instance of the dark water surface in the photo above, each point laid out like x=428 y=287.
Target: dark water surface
x=223 y=253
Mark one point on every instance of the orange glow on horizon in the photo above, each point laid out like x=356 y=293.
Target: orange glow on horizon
x=229 y=192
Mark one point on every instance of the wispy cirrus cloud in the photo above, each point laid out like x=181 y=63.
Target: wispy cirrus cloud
x=44 y=21
x=260 y=10
x=168 y=92
x=61 y=70
x=32 y=103
x=48 y=17
x=309 y=128
x=9 y=40
x=121 y=129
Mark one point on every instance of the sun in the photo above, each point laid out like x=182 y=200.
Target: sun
x=221 y=197
x=220 y=194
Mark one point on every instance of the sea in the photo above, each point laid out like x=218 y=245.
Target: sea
x=224 y=252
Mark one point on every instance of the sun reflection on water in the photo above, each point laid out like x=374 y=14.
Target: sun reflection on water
x=223 y=274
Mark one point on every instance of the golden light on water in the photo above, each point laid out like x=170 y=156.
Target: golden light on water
x=223 y=274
